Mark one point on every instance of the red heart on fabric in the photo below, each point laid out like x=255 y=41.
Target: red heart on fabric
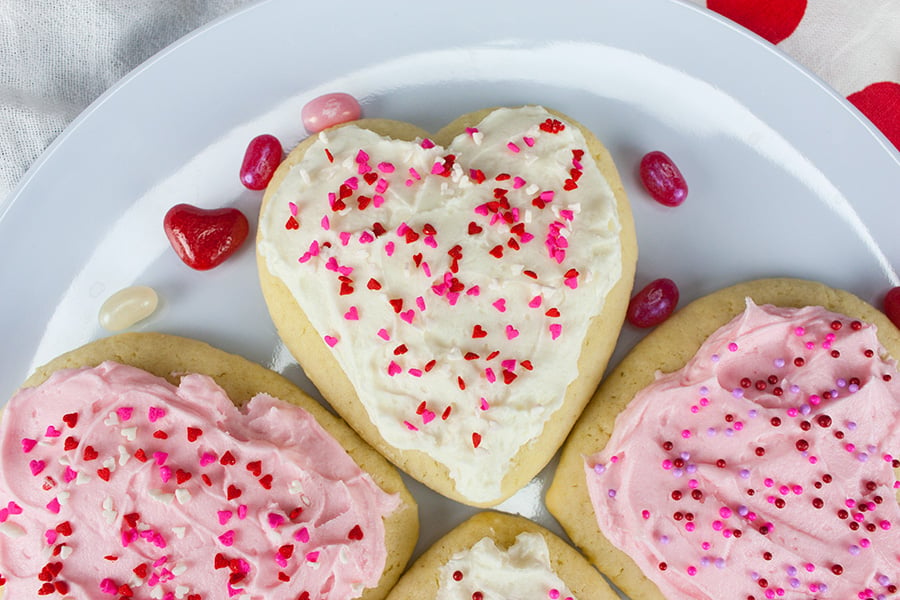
x=881 y=103
x=205 y=238
x=773 y=20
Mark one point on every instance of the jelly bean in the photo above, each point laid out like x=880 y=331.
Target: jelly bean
x=662 y=179
x=262 y=157
x=328 y=110
x=892 y=306
x=204 y=238
x=653 y=304
x=127 y=307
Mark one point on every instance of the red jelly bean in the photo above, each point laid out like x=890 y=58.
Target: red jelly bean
x=892 y=306
x=663 y=179
x=329 y=110
x=653 y=304
x=263 y=155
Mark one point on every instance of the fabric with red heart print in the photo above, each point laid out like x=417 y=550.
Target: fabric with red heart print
x=852 y=46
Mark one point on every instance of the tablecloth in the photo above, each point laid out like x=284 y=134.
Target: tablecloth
x=57 y=57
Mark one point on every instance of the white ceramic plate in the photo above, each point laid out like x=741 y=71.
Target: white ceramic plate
x=786 y=177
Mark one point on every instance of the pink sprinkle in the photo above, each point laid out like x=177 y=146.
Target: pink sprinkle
x=165 y=473
x=535 y=302
x=437 y=168
x=302 y=535
x=108 y=586
x=53 y=506
x=529 y=141
x=28 y=445
x=242 y=512
x=732 y=347
x=124 y=413
x=645 y=514
x=547 y=195
x=572 y=282
x=383 y=334
x=484 y=404
x=293 y=208
x=224 y=516
x=686 y=433
x=36 y=466
x=518 y=182
x=352 y=183
x=555 y=330
x=227 y=538
x=489 y=374
x=51 y=536
x=725 y=512
x=361 y=156
x=394 y=369
x=52 y=432
x=207 y=458
x=275 y=520
x=345 y=237
x=415 y=174
x=482 y=210
x=385 y=167
x=473 y=291
x=513 y=147
x=885 y=524
x=352 y=314
x=509 y=364
x=366 y=238
x=69 y=474
x=511 y=332
x=313 y=556
x=160 y=457
x=567 y=214
x=280 y=560
x=420 y=303
x=471 y=130
x=408 y=315
x=155 y=413
x=330 y=340
x=500 y=304
x=389 y=248
x=325 y=223
x=415 y=372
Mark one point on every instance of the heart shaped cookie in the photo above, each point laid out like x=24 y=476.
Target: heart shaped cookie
x=456 y=297
x=119 y=473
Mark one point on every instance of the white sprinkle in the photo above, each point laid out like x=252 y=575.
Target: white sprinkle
x=305 y=500
x=129 y=433
x=82 y=478
x=532 y=188
x=304 y=175
x=64 y=460
x=295 y=487
x=108 y=503
x=181 y=591
x=124 y=456
x=112 y=419
x=179 y=569
x=110 y=463
x=179 y=532
x=110 y=516
x=344 y=555
x=13 y=530
x=63 y=498
x=478 y=137
x=182 y=495
x=156 y=592
x=65 y=551
x=161 y=496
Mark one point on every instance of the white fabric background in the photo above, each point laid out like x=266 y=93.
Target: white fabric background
x=57 y=56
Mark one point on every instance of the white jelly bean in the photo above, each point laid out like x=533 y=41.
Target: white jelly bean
x=127 y=307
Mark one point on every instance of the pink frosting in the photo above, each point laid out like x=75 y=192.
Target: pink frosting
x=115 y=480
x=763 y=468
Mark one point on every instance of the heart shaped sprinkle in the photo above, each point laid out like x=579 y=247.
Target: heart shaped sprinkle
x=460 y=253
x=205 y=238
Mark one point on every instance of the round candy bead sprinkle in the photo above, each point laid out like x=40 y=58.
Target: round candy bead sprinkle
x=127 y=307
x=892 y=305
x=653 y=304
x=329 y=110
x=662 y=179
x=262 y=157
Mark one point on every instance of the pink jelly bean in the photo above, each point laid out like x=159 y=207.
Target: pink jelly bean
x=263 y=155
x=663 y=179
x=328 y=110
x=653 y=304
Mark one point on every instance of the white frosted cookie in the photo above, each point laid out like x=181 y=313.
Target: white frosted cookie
x=744 y=449
x=454 y=297
x=157 y=466
x=497 y=555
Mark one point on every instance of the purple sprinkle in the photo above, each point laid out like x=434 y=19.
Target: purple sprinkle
x=744 y=473
x=743 y=510
x=853 y=549
x=851 y=426
x=779 y=362
x=841 y=382
x=685 y=456
x=754 y=575
x=599 y=469
x=883 y=580
x=704 y=390
x=691 y=468
x=711 y=431
x=720 y=563
x=823 y=588
x=611 y=493
x=794 y=582
x=795 y=389
x=704 y=562
x=714 y=358
x=792 y=571
x=737 y=393
x=805 y=409
x=677 y=472
x=752 y=414
x=862 y=457
x=729 y=432
x=853 y=388
x=663 y=539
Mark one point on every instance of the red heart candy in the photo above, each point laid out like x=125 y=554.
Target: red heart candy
x=204 y=238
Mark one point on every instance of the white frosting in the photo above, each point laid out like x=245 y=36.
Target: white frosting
x=523 y=571
x=527 y=358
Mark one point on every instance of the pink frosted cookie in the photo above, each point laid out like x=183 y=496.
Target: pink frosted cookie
x=455 y=297
x=498 y=555
x=123 y=478
x=744 y=449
